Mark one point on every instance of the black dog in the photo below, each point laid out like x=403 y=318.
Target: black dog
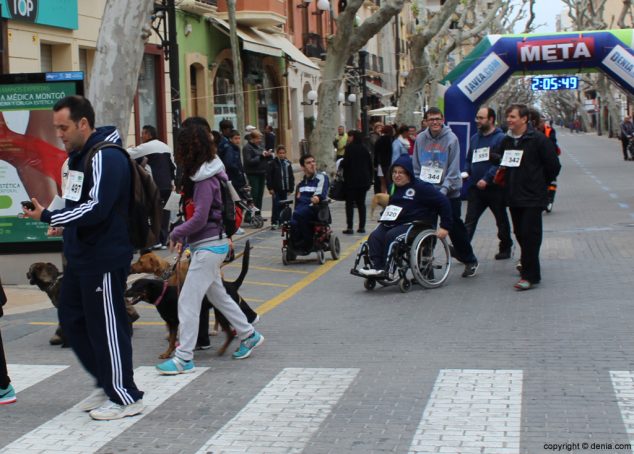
x=150 y=290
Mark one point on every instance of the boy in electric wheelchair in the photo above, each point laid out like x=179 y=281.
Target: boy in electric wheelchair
x=308 y=229
x=408 y=220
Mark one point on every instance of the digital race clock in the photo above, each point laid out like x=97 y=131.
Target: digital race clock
x=554 y=83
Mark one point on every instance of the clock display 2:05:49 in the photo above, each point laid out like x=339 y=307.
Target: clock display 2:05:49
x=555 y=83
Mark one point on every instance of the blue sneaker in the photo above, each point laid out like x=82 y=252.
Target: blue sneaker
x=7 y=395
x=175 y=366
x=247 y=345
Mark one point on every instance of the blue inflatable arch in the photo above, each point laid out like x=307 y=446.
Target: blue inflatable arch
x=498 y=57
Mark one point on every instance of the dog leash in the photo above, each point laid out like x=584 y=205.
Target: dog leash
x=160 y=298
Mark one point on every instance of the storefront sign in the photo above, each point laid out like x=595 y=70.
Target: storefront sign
x=56 y=13
x=31 y=156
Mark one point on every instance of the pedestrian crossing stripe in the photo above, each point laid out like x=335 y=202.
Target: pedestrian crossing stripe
x=472 y=410
x=75 y=431
x=623 y=384
x=285 y=414
x=24 y=376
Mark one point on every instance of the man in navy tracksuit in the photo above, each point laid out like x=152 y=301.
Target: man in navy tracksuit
x=483 y=193
x=310 y=191
x=411 y=199
x=98 y=252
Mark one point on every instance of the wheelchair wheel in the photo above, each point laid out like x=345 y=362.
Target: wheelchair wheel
x=321 y=256
x=369 y=284
x=335 y=246
x=404 y=285
x=430 y=259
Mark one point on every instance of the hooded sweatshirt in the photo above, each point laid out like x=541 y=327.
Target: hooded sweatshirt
x=420 y=201
x=206 y=222
x=96 y=238
x=483 y=170
x=439 y=153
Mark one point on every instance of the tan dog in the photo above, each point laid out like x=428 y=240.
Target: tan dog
x=380 y=199
x=153 y=264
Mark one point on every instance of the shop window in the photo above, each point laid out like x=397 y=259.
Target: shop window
x=149 y=102
x=224 y=98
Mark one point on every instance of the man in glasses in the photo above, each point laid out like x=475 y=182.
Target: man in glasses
x=436 y=160
x=483 y=193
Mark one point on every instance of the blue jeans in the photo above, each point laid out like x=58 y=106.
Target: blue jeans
x=379 y=243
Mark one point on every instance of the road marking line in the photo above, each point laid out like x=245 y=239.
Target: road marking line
x=312 y=277
x=623 y=385
x=24 y=376
x=268 y=268
x=479 y=409
x=285 y=414
x=75 y=431
x=267 y=284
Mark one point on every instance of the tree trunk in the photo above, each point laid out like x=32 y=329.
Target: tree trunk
x=118 y=57
x=237 y=66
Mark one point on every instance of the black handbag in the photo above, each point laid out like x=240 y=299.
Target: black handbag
x=337 y=190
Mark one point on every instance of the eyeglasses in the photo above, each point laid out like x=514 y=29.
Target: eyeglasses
x=481 y=118
x=398 y=172
x=434 y=120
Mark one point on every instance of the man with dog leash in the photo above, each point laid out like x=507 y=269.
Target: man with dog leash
x=98 y=250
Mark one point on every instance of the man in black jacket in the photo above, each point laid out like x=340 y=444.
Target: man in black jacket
x=280 y=182
x=256 y=159
x=529 y=162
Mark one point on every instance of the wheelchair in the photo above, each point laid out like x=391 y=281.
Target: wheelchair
x=418 y=251
x=324 y=239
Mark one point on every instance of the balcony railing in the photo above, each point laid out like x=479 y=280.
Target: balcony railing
x=255 y=13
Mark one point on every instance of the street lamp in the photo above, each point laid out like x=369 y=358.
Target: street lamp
x=352 y=98
x=312 y=97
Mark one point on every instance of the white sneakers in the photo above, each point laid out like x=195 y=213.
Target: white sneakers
x=371 y=272
x=111 y=410
x=96 y=399
x=101 y=408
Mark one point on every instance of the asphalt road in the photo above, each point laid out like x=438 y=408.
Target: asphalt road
x=473 y=366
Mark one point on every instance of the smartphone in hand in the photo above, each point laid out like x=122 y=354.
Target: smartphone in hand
x=28 y=205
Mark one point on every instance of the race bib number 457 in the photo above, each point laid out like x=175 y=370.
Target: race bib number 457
x=74 y=183
x=512 y=158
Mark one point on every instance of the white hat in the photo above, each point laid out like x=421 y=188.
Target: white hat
x=250 y=128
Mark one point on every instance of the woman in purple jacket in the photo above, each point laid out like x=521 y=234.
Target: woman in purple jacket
x=204 y=233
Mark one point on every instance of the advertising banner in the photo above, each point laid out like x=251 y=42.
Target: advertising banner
x=31 y=156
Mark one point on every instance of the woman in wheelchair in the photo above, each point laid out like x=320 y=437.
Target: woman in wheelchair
x=411 y=201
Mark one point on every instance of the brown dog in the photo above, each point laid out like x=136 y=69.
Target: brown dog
x=154 y=264
x=379 y=199
x=49 y=279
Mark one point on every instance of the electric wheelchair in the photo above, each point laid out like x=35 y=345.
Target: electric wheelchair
x=418 y=251
x=323 y=240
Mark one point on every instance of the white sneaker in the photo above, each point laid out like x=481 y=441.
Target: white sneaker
x=240 y=231
x=96 y=399
x=256 y=320
x=371 y=272
x=111 y=410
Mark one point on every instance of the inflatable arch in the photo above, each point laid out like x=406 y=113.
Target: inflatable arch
x=498 y=57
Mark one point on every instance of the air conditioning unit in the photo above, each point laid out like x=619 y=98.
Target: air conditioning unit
x=200 y=7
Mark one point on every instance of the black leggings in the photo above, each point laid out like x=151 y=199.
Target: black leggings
x=355 y=195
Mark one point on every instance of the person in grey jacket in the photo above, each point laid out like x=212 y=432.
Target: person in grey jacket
x=436 y=160
x=256 y=161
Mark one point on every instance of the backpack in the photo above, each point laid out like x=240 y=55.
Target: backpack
x=145 y=209
x=230 y=213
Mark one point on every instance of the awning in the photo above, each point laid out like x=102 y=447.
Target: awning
x=250 y=40
x=378 y=90
x=265 y=43
x=287 y=47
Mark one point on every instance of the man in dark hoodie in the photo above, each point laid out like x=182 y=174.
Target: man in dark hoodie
x=530 y=162
x=483 y=193
x=98 y=252
x=436 y=160
x=411 y=200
